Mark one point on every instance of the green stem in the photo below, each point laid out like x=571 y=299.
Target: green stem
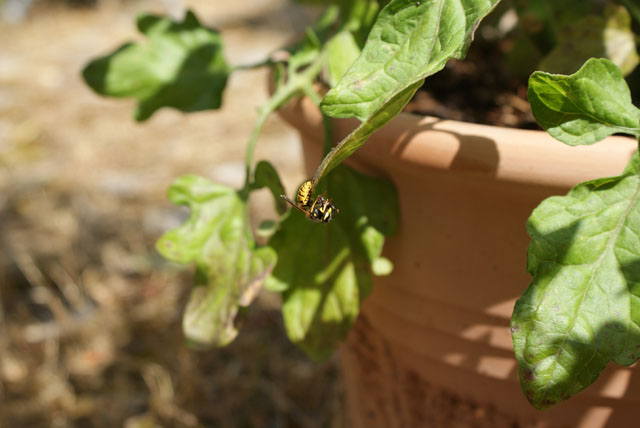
x=252 y=66
x=296 y=84
x=263 y=114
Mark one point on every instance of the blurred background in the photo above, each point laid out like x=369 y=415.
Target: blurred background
x=90 y=314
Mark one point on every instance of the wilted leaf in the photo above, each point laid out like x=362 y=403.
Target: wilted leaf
x=585 y=107
x=229 y=268
x=181 y=65
x=324 y=270
x=582 y=309
x=595 y=36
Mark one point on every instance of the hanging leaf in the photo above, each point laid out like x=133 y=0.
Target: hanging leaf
x=324 y=270
x=230 y=269
x=409 y=41
x=181 y=65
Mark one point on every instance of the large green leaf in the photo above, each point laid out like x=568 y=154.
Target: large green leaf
x=324 y=270
x=230 y=269
x=181 y=65
x=582 y=309
x=595 y=36
x=585 y=107
x=409 y=41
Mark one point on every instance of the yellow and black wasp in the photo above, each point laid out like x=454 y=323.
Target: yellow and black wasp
x=322 y=209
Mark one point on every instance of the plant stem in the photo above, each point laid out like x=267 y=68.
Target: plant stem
x=296 y=84
x=263 y=113
x=252 y=66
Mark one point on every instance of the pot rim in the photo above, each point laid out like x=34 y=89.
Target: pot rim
x=415 y=143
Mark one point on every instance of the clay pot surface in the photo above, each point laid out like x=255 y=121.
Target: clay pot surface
x=432 y=345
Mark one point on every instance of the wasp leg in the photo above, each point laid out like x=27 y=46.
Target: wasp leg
x=315 y=203
x=327 y=215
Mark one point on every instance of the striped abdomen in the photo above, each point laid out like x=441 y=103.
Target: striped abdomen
x=303 y=197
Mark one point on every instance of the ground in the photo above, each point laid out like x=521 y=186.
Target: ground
x=90 y=314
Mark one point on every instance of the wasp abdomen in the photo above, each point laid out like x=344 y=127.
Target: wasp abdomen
x=304 y=194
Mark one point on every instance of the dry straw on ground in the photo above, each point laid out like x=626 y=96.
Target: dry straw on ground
x=90 y=314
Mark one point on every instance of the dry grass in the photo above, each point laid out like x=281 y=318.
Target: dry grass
x=90 y=314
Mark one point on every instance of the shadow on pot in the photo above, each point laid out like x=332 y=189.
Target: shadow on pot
x=475 y=153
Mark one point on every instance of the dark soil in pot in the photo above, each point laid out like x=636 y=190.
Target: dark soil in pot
x=479 y=89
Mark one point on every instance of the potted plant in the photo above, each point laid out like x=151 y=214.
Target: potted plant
x=449 y=198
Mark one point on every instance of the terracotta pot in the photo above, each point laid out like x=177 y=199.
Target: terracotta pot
x=432 y=345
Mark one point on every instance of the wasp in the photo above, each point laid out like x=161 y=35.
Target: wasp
x=321 y=209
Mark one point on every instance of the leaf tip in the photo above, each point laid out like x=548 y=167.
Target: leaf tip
x=191 y=19
x=142 y=113
x=382 y=266
x=144 y=21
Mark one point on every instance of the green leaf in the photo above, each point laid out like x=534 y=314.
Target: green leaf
x=585 y=107
x=229 y=268
x=361 y=134
x=266 y=229
x=596 y=36
x=358 y=16
x=345 y=46
x=181 y=65
x=309 y=47
x=324 y=270
x=409 y=41
x=266 y=175
x=582 y=309
x=303 y=66
x=342 y=51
